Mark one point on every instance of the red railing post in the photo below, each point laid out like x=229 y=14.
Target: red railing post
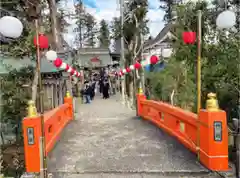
x=31 y=134
x=54 y=121
x=69 y=100
x=140 y=97
x=213 y=136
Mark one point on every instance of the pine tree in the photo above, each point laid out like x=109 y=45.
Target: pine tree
x=104 y=34
x=91 y=31
x=116 y=28
x=80 y=17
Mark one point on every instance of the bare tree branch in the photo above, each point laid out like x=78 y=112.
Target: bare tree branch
x=136 y=41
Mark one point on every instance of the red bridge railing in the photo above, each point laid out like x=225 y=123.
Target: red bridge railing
x=54 y=123
x=205 y=134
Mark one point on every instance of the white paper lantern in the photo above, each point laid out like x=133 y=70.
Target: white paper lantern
x=124 y=71
x=69 y=70
x=11 y=27
x=63 y=66
x=226 y=19
x=132 y=67
x=166 y=53
x=51 y=55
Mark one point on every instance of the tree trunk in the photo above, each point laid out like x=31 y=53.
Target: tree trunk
x=54 y=25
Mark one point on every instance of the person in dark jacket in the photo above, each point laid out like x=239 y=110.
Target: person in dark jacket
x=93 y=86
x=101 y=85
x=106 y=89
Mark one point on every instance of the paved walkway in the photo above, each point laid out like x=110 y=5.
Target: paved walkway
x=106 y=140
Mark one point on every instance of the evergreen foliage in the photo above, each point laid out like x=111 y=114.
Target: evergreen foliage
x=104 y=34
x=220 y=56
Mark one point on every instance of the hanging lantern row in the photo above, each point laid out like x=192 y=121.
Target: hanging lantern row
x=58 y=63
x=153 y=60
x=62 y=65
x=225 y=20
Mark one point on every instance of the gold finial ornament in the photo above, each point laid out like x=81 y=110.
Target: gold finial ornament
x=212 y=102
x=32 y=110
x=68 y=95
x=140 y=91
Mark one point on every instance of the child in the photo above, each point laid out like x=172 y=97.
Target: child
x=87 y=93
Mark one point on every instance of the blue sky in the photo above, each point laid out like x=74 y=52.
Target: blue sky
x=107 y=9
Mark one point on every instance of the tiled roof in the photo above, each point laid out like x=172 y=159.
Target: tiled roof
x=8 y=63
x=161 y=34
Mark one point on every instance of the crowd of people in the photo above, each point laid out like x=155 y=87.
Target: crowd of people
x=100 y=83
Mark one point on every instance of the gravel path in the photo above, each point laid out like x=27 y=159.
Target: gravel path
x=106 y=140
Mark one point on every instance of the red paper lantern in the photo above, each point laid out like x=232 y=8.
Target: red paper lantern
x=153 y=59
x=72 y=71
x=137 y=65
x=58 y=62
x=42 y=41
x=189 y=37
x=128 y=69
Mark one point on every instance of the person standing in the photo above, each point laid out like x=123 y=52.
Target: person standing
x=105 y=89
x=114 y=85
x=87 y=93
x=101 y=85
x=93 y=86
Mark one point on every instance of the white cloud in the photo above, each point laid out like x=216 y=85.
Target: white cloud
x=108 y=9
x=155 y=21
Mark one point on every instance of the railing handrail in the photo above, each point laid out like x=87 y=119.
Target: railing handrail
x=50 y=113
x=174 y=111
x=205 y=134
x=55 y=121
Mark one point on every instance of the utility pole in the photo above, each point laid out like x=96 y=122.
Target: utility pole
x=43 y=157
x=79 y=8
x=122 y=49
x=142 y=77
